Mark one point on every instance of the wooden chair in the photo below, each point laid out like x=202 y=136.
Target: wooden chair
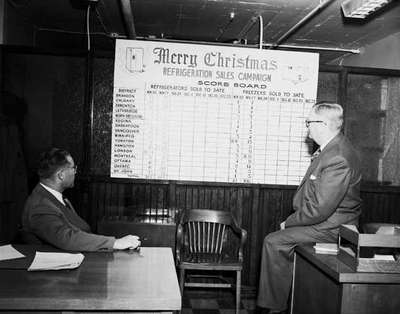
x=205 y=241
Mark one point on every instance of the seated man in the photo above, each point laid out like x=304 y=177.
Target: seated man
x=52 y=218
x=328 y=196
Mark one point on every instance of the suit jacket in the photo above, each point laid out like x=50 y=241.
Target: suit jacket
x=329 y=194
x=60 y=225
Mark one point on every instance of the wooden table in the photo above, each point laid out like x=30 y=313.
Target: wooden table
x=323 y=284
x=105 y=281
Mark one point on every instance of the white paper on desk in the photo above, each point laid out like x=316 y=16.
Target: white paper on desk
x=8 y=252
x=55 y=261
x=380 y=257
x=326 y=248
x=385 y=230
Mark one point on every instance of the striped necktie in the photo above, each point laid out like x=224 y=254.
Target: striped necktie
x=67 y=203
x=316 y=154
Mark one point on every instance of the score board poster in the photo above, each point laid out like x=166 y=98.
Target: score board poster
x=211 y=113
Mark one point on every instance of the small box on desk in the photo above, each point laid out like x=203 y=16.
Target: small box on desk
x=360 y=243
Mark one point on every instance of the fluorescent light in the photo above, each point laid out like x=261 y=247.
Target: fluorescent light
x=360 y=9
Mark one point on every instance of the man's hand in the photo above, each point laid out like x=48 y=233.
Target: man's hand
x=283 y=225
x=127 y=242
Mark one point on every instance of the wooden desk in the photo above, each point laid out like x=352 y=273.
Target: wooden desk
x=323 y=284
x=105 y=281
x=160 y=233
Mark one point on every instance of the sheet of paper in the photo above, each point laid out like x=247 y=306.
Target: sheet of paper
x=8 y=252
x=326 y=248
x=385 y=230
x=381 y=257
x=55 y=261
x=352 y=227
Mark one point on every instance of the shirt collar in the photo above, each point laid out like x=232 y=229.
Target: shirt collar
x=322 y=146
x=55 y=193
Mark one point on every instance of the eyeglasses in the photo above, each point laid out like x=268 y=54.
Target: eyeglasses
x=308 y=122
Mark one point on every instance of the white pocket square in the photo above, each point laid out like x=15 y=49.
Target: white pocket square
x=313 y=177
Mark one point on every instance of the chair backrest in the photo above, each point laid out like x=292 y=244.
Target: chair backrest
x=206 y=230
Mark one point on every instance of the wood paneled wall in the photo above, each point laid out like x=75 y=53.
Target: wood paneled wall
x=258 y=208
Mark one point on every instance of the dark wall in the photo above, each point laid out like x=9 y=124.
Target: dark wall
x=53 y=89
x=103 y=70
x=42 y=106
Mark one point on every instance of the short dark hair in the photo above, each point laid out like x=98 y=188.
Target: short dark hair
x=51 y=161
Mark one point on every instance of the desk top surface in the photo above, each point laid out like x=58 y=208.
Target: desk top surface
x=336 y=269
x=120 y=280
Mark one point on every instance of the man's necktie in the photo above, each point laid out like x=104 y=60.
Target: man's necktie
x=316 y=153
x=67 y=203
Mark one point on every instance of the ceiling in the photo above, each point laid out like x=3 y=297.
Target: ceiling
x=62 y=24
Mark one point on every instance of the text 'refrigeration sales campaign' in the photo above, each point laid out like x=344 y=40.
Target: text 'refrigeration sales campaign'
x=211 y=113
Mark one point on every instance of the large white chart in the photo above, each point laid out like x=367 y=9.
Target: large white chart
x=211 y=113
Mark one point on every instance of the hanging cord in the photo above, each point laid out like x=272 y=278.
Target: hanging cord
x=261 y=32
x=87 y=27
x=101 y=21
x=223 y=29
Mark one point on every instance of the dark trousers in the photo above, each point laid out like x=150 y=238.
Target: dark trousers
x=277 y=263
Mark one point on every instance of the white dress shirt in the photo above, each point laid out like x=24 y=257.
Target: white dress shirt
x=56 y=194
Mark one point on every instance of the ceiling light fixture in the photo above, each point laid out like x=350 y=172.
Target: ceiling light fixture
x=360 y=9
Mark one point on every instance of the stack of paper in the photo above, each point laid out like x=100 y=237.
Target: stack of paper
x=326 y=248
x=55 y=261
x=380 y=257
x=387 y=230
x=8 y=252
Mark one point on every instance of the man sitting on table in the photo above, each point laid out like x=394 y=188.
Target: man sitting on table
x=328 y=196
x=51 y=217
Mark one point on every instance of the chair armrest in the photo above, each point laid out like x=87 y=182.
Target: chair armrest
x=242 y=235
x=235 y=226
x=243 y=238
x=179 y=243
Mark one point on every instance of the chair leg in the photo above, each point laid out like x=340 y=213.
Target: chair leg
x=238 y=285
x=181 y=280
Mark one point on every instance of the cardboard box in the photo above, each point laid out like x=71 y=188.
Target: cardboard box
x=352 y=243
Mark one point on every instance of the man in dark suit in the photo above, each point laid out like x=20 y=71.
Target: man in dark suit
x=328 y=196
x=52 y=218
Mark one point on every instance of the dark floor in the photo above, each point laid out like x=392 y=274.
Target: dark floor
x=198 y=301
